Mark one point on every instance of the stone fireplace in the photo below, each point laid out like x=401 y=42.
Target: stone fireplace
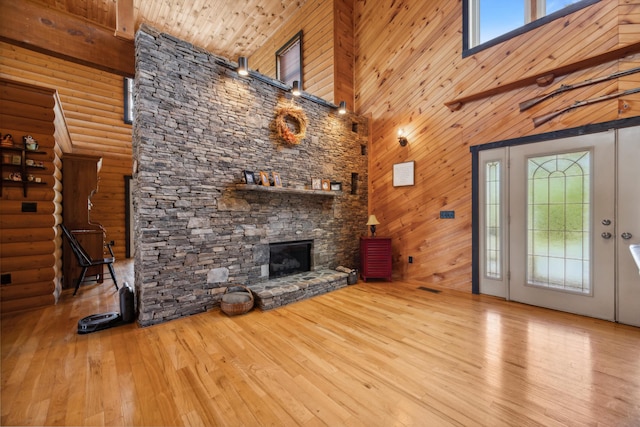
x=198 y=229
x=287 y=258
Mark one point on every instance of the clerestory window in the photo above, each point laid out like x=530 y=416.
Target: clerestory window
x=489 y=22
x=289 y=61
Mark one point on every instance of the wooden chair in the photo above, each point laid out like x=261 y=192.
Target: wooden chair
x=85 y=260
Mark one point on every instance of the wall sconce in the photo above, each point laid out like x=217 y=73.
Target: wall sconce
x=373 y=221
x=342 y=109
x=295 y=89
x=402 y=138
x=243 y=66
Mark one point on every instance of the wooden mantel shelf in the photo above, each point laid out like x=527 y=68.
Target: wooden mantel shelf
x=286 y=190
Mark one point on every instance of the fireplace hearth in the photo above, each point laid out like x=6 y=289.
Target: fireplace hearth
x=287 y=258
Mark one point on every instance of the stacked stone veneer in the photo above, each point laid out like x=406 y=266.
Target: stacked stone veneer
x=197 y=126
x=281 y=291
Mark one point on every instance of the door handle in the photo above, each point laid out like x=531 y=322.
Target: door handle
x=606 y=235
x=626 y=236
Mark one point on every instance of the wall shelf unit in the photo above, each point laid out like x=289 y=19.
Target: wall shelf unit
x=14 y=160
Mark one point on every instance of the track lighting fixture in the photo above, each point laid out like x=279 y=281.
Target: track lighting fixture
x=243 y=66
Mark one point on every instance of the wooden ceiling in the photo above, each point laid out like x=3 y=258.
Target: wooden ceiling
x=229 y=28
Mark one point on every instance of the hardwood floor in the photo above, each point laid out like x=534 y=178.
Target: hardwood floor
x=372 y=354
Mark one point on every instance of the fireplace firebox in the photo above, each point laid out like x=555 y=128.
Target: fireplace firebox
x=286 y=258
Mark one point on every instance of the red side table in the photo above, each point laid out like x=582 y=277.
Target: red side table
x=375 y=258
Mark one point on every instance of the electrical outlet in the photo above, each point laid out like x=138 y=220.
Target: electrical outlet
x=410 y=260
x=447 y=214
x=5 y=279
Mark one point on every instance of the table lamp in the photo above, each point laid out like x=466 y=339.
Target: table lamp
x=373 y=221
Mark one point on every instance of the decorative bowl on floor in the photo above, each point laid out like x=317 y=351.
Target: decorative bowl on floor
x=234 y=303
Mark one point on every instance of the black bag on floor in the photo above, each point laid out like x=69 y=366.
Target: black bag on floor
x=127 y=306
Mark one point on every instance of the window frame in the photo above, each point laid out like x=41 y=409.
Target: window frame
x=466 y=22
x=296 y=39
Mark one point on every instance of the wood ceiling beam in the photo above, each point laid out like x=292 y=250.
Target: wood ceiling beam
x=64 y=36
x=124 y=19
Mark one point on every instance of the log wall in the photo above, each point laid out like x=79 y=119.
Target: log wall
x=409 y=64
x=29 y=261
x=93 y=106
x=408 y=68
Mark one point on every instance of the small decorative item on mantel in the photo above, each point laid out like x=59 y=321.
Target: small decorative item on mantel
x=294 y=115
x=249 y=177
x=336 y=186
x=316 y=184
x=277 y=182
x=264 y=179
x=326 y=184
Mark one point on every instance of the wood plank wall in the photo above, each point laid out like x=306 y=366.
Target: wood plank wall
x=92 y=102
x=315 y=19
x=29 y=261
x=409 y=63
x=343 y=57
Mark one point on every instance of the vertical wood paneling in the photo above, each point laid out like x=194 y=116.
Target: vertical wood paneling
x=93 y=105
x=316 y=20
x=409 y=63
x=343 y=22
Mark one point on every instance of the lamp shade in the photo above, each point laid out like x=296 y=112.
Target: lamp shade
x=372 y=220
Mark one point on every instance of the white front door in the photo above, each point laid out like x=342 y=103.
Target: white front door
x=556 y=219
x=562 y=207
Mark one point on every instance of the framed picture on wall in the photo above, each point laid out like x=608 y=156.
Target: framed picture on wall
x=264 y=178
x=277 y=182
x=316 y=184
x=326 y=184
x=249 y=177
x=403 y=174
